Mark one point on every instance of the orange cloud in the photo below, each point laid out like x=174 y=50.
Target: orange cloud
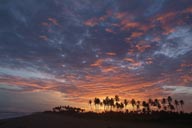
x=142 y=47
x=96 y=20
x=98 y=63
x=109 y=30
x=164 y=18
x=126 y=85
x=167 y=29
x=135 y=65
x=111 y=54
x=131 y=51
x=91 y=22
x=53 y=21
x=129 y=60
x=128 y=25
x=109 y=69
x=136 y=34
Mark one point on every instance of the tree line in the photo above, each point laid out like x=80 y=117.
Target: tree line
x=116 y=104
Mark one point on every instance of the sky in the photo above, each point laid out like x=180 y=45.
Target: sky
x=60 y=52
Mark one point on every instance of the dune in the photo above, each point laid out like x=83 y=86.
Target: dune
x=53 y=120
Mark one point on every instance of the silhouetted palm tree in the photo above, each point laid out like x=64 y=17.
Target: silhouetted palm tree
x=104 y=103
x=157 y=104
x=163 y=102
x=165 y=108
x=101 y=104
x=176 y=105
x=148 y=108
x=133 y=102
x=138 y=105
x=182 y=103
x=151 y=102
x=117 y=99
x=97 y=103
x=121 y=106
x=126 y=103
x=169 y=99
x=107 y=100
x=90 y=103
x=171 y=107
x=144 y=110
x=117 y=105
x=145 y=107
x=111 y=103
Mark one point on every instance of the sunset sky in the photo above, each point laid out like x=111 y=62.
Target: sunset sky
x=60 y=52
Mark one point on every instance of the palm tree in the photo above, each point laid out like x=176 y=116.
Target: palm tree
x=145 y=106
x=97 y=103
x=163 y=102
x=182 y=103
x=148 y=107
x=177 y=104
x=111 y=103
x=107 y=99
x=125 y=103
x=151 y=102
x=165 y=108
x=90 y=103
x=101 y=104
x=138 y=105
x=117 y=105
x=104 y=103
x=159 y=106
x=133 y=102
x=121 y=106
x=117 y=99
x=169 y=99
x=156 y=103
x=171 y=107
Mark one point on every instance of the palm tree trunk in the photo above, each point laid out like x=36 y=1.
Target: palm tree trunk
x=182 y=108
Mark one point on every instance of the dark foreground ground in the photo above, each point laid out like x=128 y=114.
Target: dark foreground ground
x=54 y=120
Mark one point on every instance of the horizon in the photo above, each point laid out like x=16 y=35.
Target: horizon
x=66 y=52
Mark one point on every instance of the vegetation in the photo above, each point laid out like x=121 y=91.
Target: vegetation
x=113 y=108
x=152 y=105
x=68 y=109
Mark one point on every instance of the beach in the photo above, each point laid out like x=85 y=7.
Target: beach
x=52 y=120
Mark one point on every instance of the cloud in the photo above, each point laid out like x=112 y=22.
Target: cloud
x=29 y=73
x=9 y=87
x=156 y=5
x=178 y=90
x=177 y=43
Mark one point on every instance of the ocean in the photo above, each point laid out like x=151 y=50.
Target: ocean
x=8 y=115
